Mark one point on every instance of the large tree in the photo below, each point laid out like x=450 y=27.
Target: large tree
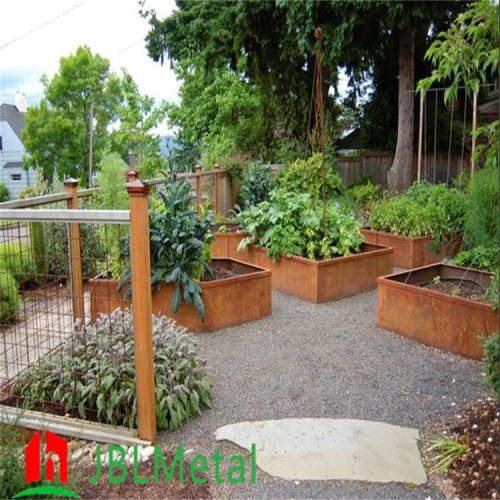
x=277 y=40
x=57 y=132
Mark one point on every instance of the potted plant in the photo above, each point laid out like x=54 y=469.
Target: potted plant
x=201 y=293
x=423 y=226
x=286 y=236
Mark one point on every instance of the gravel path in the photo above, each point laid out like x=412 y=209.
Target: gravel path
x=323 y=360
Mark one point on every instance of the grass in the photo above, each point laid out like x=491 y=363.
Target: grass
x=448 y=451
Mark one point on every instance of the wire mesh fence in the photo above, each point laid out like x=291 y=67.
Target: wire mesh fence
x=66 y=346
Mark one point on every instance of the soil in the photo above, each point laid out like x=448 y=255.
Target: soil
x=127 y=489
x=455 y=288
x=475 y=474
x=219 y=274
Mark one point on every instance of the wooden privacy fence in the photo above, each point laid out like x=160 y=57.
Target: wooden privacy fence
x=137 y=220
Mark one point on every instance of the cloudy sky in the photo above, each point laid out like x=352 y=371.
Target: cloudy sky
x=35 y=34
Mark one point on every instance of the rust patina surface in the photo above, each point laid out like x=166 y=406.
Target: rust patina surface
x=435 y=318
x=228 y=301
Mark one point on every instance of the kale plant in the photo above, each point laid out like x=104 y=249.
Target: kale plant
x=257 y=185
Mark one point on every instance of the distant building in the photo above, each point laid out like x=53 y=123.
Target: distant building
x=12 y=149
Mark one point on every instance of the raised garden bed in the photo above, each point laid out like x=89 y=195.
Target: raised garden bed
x=322 y=281
x=411 y=252
x=243 y=296
x=407 y=304
x=225 y=244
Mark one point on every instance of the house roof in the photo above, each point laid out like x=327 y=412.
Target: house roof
x=10 y=114
x=353 y=140
x=13 y=164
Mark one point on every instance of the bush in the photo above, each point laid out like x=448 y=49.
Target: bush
x=96 y=370
x=481 y=217
x=27 y=192
x=305 y=176
x=256 y=185
x=111 y=179
x=15 y=257
x=287 y=224
x=491 y=362
x=4 y=192
x=364 y=194
x=9 y=301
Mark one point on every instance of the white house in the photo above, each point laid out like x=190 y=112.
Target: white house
x=12 y=149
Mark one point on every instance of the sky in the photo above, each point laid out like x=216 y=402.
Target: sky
x=35 y=34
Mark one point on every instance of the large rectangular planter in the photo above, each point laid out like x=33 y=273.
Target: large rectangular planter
x=225 y=245
x=322 y=281
x=435 y=318
x=229 y=301
x=411 y=252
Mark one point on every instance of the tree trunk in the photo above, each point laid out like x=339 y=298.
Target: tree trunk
x=400 y=176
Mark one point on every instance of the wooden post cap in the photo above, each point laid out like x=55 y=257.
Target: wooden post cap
x=216 y=167
x=197 y=168
x=137 y=188
x=70 y=183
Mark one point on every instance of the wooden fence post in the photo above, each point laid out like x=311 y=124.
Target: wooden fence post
x=217 y=188
x=197 y=171
x=75 y=256
x=142 y=309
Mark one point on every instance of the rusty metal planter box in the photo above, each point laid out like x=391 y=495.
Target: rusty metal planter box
x=225 y=245
x=229 y=301
x=435 y=318
x=411 y=252
x=322 y=281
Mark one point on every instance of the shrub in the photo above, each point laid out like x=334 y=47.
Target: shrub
x=479 y=258
x=481 y=217
x=27 y=192
x=180 y=245
x=287 y=224
x=256 y=185
x=305 y=176
x=491 y=362
x=9 y=301
x=15 y=257
x=111 y=179
x=364 y=194
x=4 y=192
x=96 y=370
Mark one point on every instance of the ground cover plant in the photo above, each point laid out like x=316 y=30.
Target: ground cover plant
x=288 y=224
x=93 y=376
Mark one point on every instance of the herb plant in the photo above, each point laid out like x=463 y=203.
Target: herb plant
x=479 y=257
x=491 y=362
x=288 y=225
x=180 y=245
x=95 y=370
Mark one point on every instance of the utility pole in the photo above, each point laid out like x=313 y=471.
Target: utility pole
x=91 y=128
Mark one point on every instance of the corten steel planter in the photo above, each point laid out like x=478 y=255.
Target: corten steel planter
x=435 y=318
x=228 y=301
x=225 y=245
x=409 y=252
x=322 y=281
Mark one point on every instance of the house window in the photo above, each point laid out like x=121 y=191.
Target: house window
x=1 y=147
x=15 y=177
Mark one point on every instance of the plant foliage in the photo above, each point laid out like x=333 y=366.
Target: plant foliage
x=257 y=185
x=96 y=369
x=491 y=362
x=288 y=225
x=9 y=301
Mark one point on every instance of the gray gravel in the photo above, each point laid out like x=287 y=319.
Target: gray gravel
x=324 y=360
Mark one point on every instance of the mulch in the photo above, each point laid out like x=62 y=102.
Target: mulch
x=127 y=489
x=476 y=474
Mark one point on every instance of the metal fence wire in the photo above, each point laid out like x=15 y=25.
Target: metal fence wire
x=66 y=347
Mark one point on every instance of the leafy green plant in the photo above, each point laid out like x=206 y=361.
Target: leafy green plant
x=364 y=194
x=287 y=224
x=257 y=184
x=4 y=192
x=305 y=176
x=96 y=370
x=425 y=209
x=9 y=301
x=491 y=293
x=491 y=362
x=479 y=257
x=481 y=216
x=15 y=256
x=448 y=452
x=180 y=245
